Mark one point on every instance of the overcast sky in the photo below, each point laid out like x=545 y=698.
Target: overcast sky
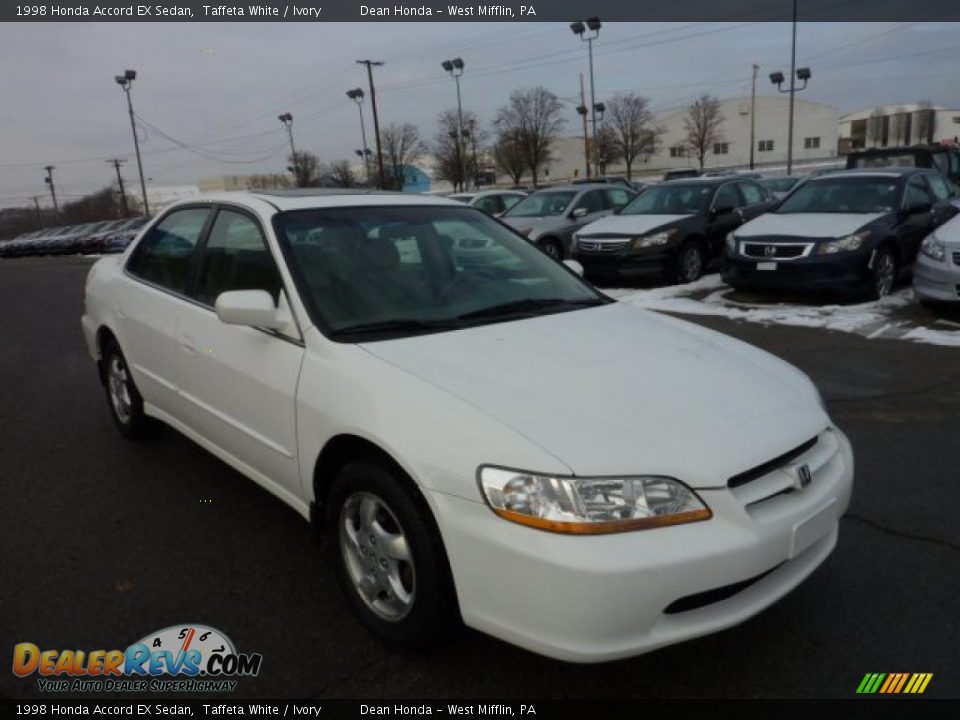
x=220 y=87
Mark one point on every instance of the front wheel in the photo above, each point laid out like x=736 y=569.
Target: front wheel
x=123 y=398
x=883 y=275
x=389 y=558
x=552 y=248
x=690 y=263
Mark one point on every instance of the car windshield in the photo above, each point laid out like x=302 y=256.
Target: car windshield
x=542 y=204
x=382 y=272
x=671 y=199
x=779 y=184
x=844 y=195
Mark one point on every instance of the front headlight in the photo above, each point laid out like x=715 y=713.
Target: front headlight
x=731 y=243
x=590 y=506
x=654 y=240
x=844 y=244
x=933 y=247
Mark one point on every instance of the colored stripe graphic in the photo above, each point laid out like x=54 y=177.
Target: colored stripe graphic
x=894 y=683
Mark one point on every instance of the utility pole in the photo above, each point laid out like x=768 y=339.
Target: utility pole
x=53 y=191
x=376 y=121
x=36 y=204
x=753 y=112
x=117 y=162
x=583 y=114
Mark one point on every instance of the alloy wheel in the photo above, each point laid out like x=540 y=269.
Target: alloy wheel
x=883 y=275
x=118 y=381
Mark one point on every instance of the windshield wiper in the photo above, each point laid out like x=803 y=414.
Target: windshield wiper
x=401 y=325
x=530 y=305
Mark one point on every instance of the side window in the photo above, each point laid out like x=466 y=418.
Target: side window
x=593 y=201
x=165 y=257
x=752 y=193
x=510 y=200
x=938 y=185
x=618 y=198
x=727 y=197
x=917 y=192
x=491 y=204
x=236 y=258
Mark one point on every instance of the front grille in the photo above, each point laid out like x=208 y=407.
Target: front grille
x=761 y=470
x=775 y=251
x=605 y=246
x=956 y=258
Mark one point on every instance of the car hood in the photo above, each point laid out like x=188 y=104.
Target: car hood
x=811 y=225
x=620 y=390
x=628 y=225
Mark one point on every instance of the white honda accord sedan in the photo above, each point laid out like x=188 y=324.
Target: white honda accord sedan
x=493 y=441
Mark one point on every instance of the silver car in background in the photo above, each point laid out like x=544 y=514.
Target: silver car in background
x=936 y=273
x=549 y=217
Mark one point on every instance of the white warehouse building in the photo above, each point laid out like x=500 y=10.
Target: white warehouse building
x=814 y=139
x=893 y=125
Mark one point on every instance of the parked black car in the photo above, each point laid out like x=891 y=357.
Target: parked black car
x=673 y=230
x=853 y=231
x=944 y=158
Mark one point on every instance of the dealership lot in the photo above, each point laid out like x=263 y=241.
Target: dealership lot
x=106 y=541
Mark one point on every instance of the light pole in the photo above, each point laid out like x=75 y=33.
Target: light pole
x=580 y=29
x=455 y=68
x=376 y=122
x=53 y=191
x=287 y=120
x=357 y=96
x=126 y=82
x=795 y=74
x=753 y=111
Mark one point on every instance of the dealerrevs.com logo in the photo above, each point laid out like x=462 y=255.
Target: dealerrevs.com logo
x=180 y=658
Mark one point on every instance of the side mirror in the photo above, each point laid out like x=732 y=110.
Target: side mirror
x=918 y=208
x=253 y=308
x=575 y=266
x=618 y=209
x=578 y=213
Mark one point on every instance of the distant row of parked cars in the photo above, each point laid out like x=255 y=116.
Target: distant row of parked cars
x=108 y=236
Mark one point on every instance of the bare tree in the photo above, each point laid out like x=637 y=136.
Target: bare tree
x=402 y=147
x=637 y=137
x=509 y=157
x=875 y=126
x=341 y=174
x=456 y=162
x=305 y=168
x=702 y=124
x=899 y=126
x=606 y=149
x=532 y=117
x=926 y=121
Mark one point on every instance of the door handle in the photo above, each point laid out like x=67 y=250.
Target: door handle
x=186 y=344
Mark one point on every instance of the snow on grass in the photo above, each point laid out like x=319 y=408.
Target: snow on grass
x=886 y=318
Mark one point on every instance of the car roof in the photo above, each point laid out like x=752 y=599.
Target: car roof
x=893 y=171
x=317 y=198
x=576 y=188
x=702 y=180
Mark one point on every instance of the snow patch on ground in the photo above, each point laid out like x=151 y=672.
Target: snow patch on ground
x=889 y=318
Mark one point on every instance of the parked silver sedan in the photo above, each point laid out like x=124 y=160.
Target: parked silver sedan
x=936 y=274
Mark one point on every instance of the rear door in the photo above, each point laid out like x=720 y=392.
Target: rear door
x=719 y=224
x=238 y=384
x=915 y=226
x=150 y=303
x=756 y=198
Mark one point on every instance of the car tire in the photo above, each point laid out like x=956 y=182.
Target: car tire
x=690 y=263
x=123 y=398
x=883 y=275
x=388 y=557
x=552 y=247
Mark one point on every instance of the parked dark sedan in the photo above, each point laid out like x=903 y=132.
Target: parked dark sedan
x=854 y=231
x=673 y=230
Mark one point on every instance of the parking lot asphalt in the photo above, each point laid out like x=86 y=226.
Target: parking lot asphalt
x=105 y=541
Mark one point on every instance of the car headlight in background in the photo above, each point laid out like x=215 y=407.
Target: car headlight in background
x=654 y=240
x=844 y=244
x=590 y=506
x=731 y=243
x=933 y=247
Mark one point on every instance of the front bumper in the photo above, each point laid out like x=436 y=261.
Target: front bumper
x=842 y=271
x=625 y=264
x=938 y=280
x=599 y=598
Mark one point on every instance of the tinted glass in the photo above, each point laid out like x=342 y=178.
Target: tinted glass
x=166 y=254
x=541 y=204
x=492 y=204
x=618 y=198
x=671 y=199
x=357 y=266
x=939 y=186
x=918 y=193
x=510 y=200
x=752 y=193
x=779 y=184
x=236 y=258
x=727 y=197
x=844 y=195
x=593 y=201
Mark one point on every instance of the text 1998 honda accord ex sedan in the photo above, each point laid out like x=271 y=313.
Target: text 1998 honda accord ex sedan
x=495 y=441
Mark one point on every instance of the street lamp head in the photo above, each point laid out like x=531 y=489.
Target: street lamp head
x=600 y=107
x=582 y=109
x=285 y=118
x=457 y=63
x=803 y=73
x=447 y=65
x=776 y=78
x=121 y=80
x=594 y=24
x=355 y=94
x=130 y=74
x=578 y=28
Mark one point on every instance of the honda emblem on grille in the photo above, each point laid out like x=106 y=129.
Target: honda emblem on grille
x=770 y=250
x=804 y=476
